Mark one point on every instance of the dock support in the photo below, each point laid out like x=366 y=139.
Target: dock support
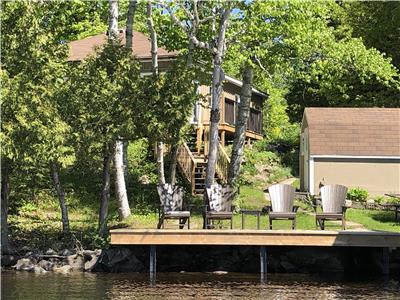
x=153 y=260
x=263 y=261
x=385 y=261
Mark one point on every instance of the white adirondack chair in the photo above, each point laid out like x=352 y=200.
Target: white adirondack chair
x=282 y=199
x=333 y=200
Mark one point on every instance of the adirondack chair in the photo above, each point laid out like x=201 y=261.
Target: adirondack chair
x=171 y=205
x=282 y=208
x=220 y=204
x=333 y=199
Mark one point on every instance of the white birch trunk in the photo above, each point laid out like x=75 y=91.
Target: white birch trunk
x=154 y=64
x=120 y=188
x=241 y=125
x=113 y=19
x=216 y=91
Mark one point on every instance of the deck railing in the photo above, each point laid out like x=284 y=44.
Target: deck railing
x=222 y=163
x=187 y=163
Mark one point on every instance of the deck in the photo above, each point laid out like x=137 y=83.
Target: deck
x=326 y=238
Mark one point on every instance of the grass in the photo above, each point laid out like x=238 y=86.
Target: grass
x=38 y=226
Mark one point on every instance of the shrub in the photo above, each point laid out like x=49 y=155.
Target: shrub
x=357 y=194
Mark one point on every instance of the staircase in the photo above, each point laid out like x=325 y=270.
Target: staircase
x=193 y=166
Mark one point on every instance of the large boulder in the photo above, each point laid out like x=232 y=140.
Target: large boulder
x=39 y=270
x=46 y=265
x=118 y=260
x=76 y=261
x=25 y=264
x=64 y=269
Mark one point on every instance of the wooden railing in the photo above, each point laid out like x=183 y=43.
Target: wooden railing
x=222 y=163
x=187 y=163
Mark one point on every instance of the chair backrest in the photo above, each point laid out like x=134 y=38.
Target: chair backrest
x=171 y=196
x=282 y=197
x=220 y=198
x=333 y=198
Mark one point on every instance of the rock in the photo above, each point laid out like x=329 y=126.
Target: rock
x=118 y=260
x=50 y=252
x=8 y=260
x=46 y=265
x=76 y=261
x=29 y=253
x=64 y=269
x=348 y=203
x=220 y=272
x=92 y=263
x=39 y=270
x=24 y=264
x=65 y=252
x=370 y=201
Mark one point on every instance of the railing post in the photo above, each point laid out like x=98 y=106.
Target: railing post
x=153 y=260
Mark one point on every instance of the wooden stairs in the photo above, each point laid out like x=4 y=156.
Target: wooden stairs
x=193 y=163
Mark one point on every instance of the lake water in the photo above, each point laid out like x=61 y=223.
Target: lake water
x=23 y=285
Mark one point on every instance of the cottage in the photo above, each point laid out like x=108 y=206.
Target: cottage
x=356 y=147
x=192 y=157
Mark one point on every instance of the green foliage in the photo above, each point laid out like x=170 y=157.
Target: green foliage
x=357 y=194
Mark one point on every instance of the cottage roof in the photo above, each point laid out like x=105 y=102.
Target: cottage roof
x=80 y=49
x=353 y=131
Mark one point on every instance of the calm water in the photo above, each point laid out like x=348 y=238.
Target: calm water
x=22 y=285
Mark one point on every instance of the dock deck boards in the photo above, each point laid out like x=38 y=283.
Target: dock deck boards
x=326 y=238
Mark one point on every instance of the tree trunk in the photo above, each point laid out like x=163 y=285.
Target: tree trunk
x=120 y=189
x=113 y=21
x=217 y=80
x=241 y=125
x=154 y=64
x=160 y=163
x=153 y=38
x=105 y=191
x=61 y=197
x=5 y=190
x=129 y=23
x=174 y=158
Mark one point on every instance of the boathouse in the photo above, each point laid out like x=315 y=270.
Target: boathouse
x=355 y=147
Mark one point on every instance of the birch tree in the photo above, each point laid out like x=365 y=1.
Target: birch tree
x=154 y=66
x=216 y=46
x=241 y=124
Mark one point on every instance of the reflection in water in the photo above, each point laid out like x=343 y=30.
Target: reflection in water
x=20 y=285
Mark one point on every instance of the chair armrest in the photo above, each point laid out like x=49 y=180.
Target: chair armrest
x=295 y=208
x=266 y=209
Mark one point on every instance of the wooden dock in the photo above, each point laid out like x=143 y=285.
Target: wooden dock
x=326 y=238
x=261 y=238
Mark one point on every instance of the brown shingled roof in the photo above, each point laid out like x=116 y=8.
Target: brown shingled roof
x=354 y=131
x=79 y=50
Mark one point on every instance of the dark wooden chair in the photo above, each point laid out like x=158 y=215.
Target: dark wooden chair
x=282 y=200
x=171 y=207
x=220 y=204
x=333 y=200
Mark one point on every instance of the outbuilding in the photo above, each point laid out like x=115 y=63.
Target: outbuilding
x=355 y=147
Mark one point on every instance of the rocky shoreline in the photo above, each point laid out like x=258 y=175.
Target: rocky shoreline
x=204 y=258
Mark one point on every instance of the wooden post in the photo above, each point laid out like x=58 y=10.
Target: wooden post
x=153 y=260
x=263 y=260
x=223 y=138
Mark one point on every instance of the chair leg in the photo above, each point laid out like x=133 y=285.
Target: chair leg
x=270 y=223
x=294 y=224
x=343 y=223
x=231 y=223
x=188 y=223
x=323 y=224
